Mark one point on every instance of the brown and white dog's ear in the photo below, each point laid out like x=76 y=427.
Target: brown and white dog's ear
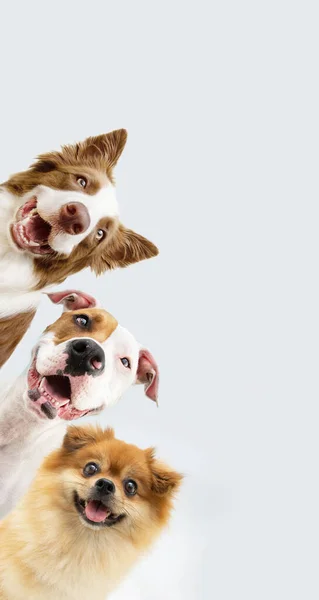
x=126 y=248
x=78 y=437
x=105 y=150
x=106 y=147
x=148 y=374
x=72 y=300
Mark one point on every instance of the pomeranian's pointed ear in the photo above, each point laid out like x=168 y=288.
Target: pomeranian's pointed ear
x=148 y=374
x=126 y=248
x=72 y=300
x=106 y=147
x=78 y=437
x=164 y=479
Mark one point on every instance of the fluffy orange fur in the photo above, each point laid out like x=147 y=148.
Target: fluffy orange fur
x=49 y=551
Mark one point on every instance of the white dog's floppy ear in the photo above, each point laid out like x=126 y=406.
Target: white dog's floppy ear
x=147 y=373
x=72 y=300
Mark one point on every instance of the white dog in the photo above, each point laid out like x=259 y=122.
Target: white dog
x=82 y=363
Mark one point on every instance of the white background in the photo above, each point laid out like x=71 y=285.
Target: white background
x=221 y=104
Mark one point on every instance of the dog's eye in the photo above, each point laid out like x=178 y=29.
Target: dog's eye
x=82 y=181
x=82 y=320
x=130 y=487
x=125 y=361
x=90 y=469
x=100 y=234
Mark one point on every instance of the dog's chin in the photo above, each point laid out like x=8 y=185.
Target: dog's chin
x=30 y=232
x=50 y=396
x=95 y=514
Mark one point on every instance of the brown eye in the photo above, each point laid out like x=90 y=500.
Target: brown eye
x=82 y=320
x=100 y=234
x=90 y=469
x=125 y=361
x=82 y=181
x=130 y=487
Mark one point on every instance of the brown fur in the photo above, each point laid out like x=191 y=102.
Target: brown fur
x=101 y=326
x=93 y=159
x=12 y=330
x=47 y=551
x=121 y=247
x=98 y=154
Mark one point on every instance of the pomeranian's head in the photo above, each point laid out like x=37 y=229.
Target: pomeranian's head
x=99 y=482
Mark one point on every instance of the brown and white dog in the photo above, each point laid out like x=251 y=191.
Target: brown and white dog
x=56 y=218
x=82 y=363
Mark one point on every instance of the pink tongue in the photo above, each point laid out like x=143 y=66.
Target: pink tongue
x=95 y=511
x=37 y=229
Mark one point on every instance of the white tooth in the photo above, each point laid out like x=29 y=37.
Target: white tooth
x=64 y=403
x=32 y=243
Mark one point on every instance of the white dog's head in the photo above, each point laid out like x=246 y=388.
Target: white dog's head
x=85 y=361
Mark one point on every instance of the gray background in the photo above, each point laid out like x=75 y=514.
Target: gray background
x=220 y=100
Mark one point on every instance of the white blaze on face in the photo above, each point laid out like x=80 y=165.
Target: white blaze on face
x=121 y=344
x=49 y=203
x=90 y=392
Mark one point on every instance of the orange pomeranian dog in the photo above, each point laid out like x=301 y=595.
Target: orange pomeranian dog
x=95 y=505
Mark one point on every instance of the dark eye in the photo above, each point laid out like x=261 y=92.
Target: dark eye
x=90 y=469
x=82 y=320
x=125 y=361
x=82 y=181
x=100 y=234
x=130 y=487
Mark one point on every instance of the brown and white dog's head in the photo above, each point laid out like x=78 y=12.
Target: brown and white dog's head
x=85 y=361
x=67 y=216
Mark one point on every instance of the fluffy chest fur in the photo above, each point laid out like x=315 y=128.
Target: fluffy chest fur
x=69 y=563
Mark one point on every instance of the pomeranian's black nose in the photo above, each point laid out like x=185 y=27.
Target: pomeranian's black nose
x=105 y=486
x=84 y=356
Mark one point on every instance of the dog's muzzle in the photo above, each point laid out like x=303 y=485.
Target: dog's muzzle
x=85 y=357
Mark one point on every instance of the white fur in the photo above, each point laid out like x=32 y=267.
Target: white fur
x=17 y=279
x=102 y=204
x=16 y=274
x=104 y=390
x=25 y=437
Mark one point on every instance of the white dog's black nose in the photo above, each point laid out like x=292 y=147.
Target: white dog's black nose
x=85 y=356
x=104 y=486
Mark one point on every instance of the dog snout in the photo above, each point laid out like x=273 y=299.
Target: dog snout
x=104 y=487
x=85 y=356
x=74 y=218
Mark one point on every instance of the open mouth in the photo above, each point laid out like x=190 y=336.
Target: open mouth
x=57 y=391
x=51 y=396
x=30 y=232
x=95 y=512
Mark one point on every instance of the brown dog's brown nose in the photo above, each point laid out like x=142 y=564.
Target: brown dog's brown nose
x=74 y=218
